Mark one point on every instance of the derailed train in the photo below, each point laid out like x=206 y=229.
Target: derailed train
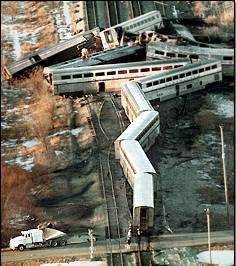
x=130 y=149
x=140 y=135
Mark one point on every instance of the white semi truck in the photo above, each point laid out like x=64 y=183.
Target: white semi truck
x=45 y=237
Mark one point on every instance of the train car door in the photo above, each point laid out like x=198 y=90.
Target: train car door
x=177 y=90
x=101 y=86
x=143 y=218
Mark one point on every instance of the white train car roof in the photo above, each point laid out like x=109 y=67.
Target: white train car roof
x=136 y=19
x=138 y=125
x=143 y=190
x=112 y=67
x=178 y=70
x=137 y=157
x=132 y=90
x=189 y=49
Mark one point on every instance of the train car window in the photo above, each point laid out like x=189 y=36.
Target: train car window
x=176 y=66
x=189 y=86
x=162 y=81
x=168 y=79
x=175 y=77
x=227 y=58
x=182 y=55
x=194 y=56
x=100 y=74
x=122 y=71
x=167 y=67
x=201 y=70
x=88 y=75
x=208 y=68
x=155 y=82
x=133 y=71
x=111 y=73
x=170 y=54
x=195 y=71
x=66 y=77
x=156 y=68
x=214 y=66
x=159 y=52
x=77 y=76
x=188 y=74
x=182 y=75
x=145 y=69
x=149 y=84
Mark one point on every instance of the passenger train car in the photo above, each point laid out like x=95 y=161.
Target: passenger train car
x=133 y=100
x=146 y=22
x=144 y=129
x=142 y=177
x=130 y=149
x=180 y=81
x=59 y=52
x=163 y=51
x=92 y=78
x=123 y=54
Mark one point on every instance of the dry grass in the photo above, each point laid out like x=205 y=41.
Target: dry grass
x=15 y=199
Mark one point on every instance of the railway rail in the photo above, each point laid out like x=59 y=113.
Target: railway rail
x=136 y=8
x=92 y=18
x=107 y=182
x=112 y=11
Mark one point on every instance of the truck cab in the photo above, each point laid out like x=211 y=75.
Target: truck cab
x=38 y=238
x=27 y=239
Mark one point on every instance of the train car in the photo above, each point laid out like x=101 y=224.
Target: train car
x=180 y=81
x=147 y=22
x=59 y=52
x=134 y=160
x=106 y=77
x=144 y=129
x=121 y=54
x=137 y=168
x=133 y=100
x=160 y=50
x=143 y=201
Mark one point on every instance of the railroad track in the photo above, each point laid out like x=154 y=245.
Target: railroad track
x=136 y=8
x=92 y=18
x=111 y=7
x=107 y=182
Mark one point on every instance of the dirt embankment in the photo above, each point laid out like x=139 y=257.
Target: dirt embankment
x=49 y=173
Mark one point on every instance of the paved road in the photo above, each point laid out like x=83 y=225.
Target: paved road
x=161 y=242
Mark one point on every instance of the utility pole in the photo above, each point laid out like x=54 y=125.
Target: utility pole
x=92 y=240
x=224 y=172
x=208 y=230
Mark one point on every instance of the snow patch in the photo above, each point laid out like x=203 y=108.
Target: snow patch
x=9 y=143
x=76 y=131
x=59 y=153
x=59 y=133
x=219 y=257
x=26 y=164
x=4 y=125
x=223 y=106
x=30 y=143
